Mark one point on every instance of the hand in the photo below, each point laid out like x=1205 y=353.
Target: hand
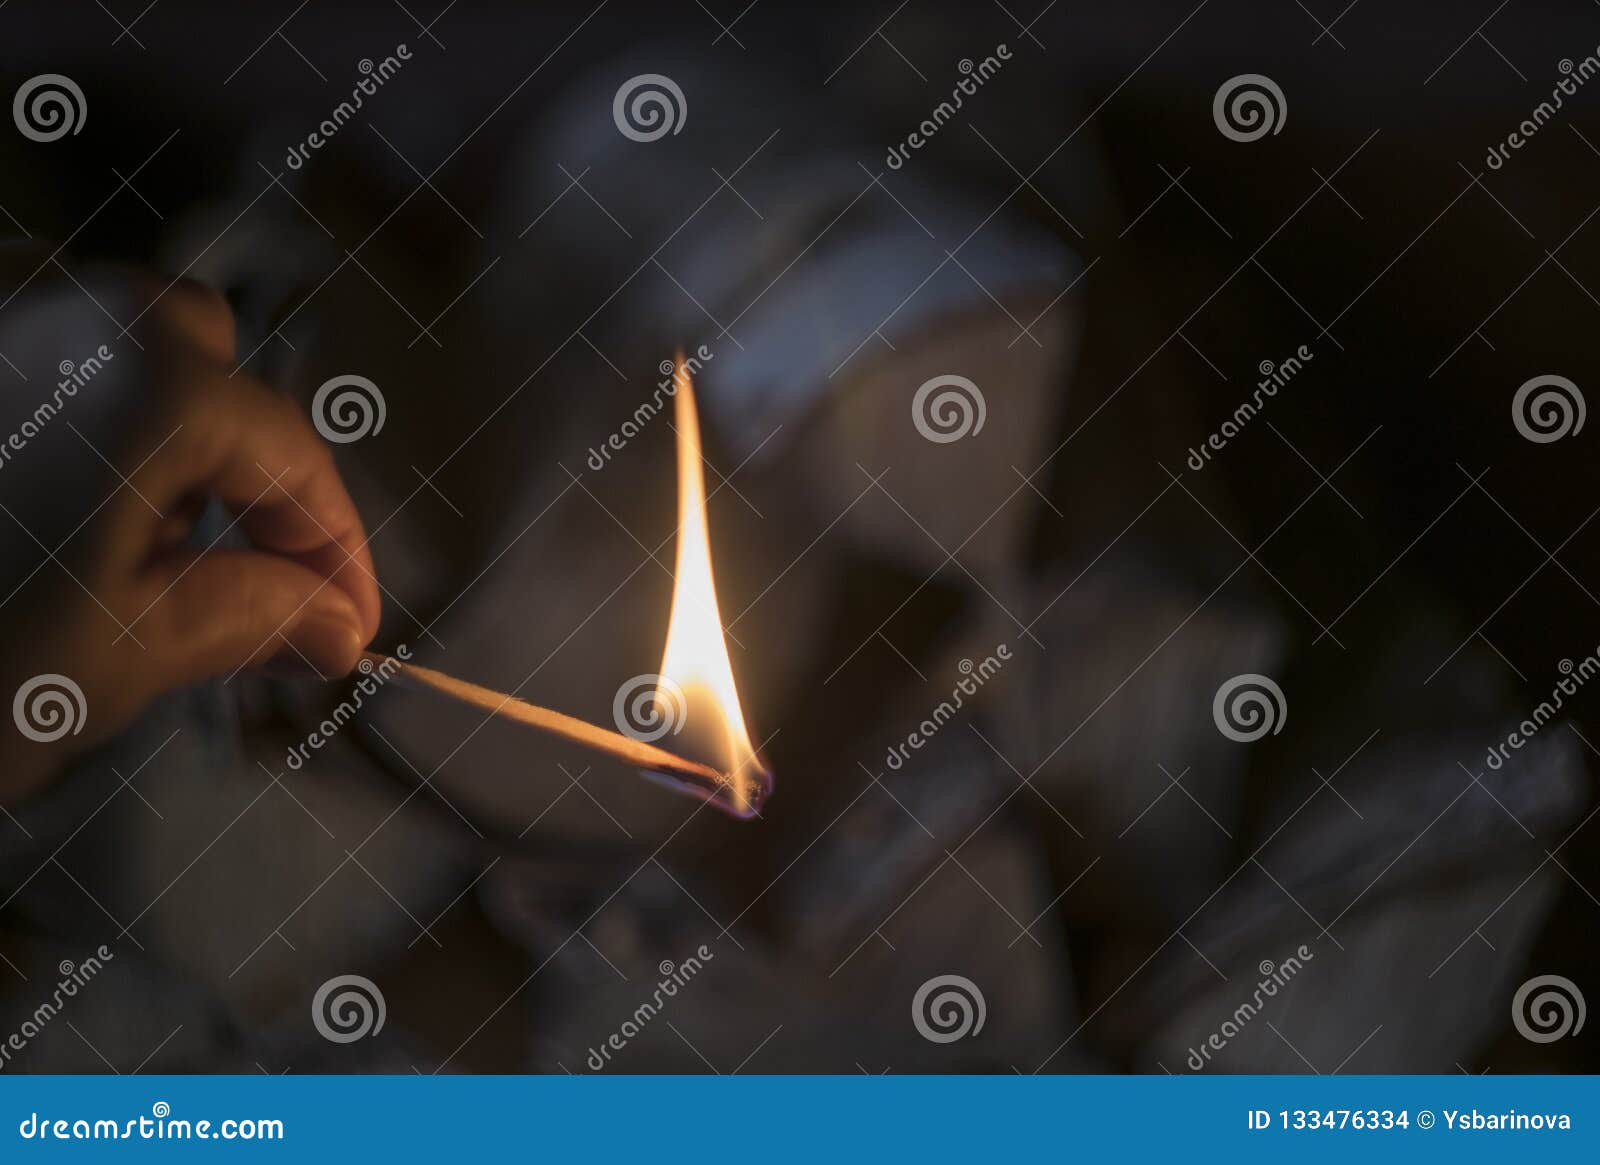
x=125 y=607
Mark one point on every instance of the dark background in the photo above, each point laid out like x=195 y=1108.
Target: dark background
x=1442 y=287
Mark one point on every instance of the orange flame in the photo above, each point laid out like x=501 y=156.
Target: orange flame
x=695 y=660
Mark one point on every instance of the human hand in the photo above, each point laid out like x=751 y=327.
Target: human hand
x=123 y=605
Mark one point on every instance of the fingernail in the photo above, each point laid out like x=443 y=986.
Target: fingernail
x=327 y=638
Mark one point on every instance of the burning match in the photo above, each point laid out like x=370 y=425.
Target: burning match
x=735 y=793
x=695 y=695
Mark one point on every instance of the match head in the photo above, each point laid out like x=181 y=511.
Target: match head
x=741 y=794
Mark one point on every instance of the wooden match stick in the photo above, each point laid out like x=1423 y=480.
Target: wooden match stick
x=679 y=772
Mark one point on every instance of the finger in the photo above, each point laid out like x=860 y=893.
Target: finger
x=220 y=610
x=163 y=309
x=192 y=312
x=254 y=449
x=160 y=309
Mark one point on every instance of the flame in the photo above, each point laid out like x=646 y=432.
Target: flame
x=696 y=657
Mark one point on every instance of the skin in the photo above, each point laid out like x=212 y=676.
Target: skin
x=303 y=595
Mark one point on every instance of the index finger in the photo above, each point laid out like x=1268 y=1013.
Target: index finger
x=252 y=448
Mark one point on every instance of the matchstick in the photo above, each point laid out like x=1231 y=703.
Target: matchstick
x=676 y=772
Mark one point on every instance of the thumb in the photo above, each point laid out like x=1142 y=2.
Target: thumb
x=221 y=610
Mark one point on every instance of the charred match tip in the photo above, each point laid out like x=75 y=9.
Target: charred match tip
x=739 y=794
